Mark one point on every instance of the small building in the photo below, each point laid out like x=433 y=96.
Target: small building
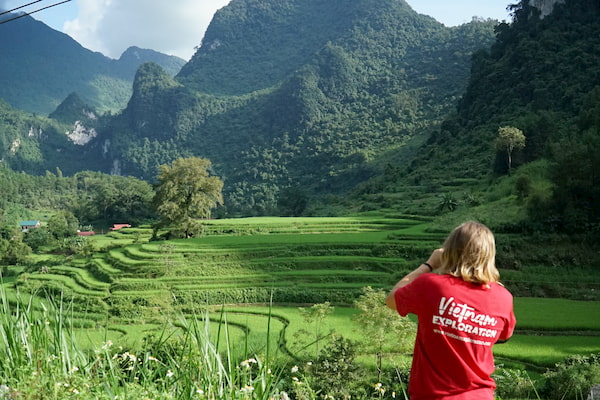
x=86 y=233
x=117 y=227
x=27 y=225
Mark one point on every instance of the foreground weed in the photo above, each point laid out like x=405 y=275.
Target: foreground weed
x=39 y=358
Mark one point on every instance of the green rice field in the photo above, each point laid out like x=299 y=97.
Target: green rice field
x=131 y=287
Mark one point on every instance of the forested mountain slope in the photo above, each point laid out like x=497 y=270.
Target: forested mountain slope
x=39 y=67
x=541 y=76
x=33 y=143
x=288 y=95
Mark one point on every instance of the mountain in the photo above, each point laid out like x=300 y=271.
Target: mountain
x=542 y=76
x=296 y=94
x=73 y=109
x=40 y=67
x=32 y=143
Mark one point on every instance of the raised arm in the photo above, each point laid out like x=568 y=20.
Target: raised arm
x=432 y=263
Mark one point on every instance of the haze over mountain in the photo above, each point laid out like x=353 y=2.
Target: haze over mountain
x=40 y=67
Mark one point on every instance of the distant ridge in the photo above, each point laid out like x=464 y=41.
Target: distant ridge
x=40 y=67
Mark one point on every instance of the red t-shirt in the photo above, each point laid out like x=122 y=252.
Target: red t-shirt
x=458 y=324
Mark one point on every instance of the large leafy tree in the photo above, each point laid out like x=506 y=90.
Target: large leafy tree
x=63 y=224
x=186 y=192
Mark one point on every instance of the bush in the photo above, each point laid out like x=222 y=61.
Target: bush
x=573 y=378
x=513 y=384
x=38 y=238
x=335 y=371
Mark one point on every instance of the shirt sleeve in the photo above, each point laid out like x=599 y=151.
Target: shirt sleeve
x=509 y=327
x=407 y=297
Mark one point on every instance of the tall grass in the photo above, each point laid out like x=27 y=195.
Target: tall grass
x=40 y=359
x=36 y=345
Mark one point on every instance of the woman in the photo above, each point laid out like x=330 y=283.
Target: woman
x=462 y=310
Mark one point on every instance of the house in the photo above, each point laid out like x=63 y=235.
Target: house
x=86 y=233
x=27 y=225
x=116 y=227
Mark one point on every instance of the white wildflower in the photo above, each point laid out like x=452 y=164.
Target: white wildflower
x=247 y=389
x=379 y=388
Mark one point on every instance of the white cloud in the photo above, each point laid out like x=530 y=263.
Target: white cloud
x=171 y=27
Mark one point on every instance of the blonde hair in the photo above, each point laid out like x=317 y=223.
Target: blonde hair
x=470 y=253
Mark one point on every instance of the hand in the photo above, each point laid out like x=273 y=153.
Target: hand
x=435 y=259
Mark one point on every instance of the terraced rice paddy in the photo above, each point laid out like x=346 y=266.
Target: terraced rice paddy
x=131 y=286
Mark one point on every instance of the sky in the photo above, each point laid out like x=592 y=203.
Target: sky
x=177 y=27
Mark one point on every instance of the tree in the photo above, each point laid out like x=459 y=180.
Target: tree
x=292 y=202
x=13 y=252
x=317 y=314
x=185 y=192
x=63 y=224
x=382 y=326
x=36 y=238
x=510 y=139
x=12 y=249
x=575 y=174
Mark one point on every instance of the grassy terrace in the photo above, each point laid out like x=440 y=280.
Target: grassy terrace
x=256 y=253
x=130 y=286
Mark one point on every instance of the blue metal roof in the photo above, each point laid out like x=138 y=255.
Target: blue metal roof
x=29 y=223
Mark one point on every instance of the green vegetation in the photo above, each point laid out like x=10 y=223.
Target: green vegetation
x=365 y=98
x=536 y=78
x=348 y=121
x=326 y=277
x=93 y=198
x=539 y=314
x=310 y=124
x=186 y=193
x=510 y=139
x=302 y=99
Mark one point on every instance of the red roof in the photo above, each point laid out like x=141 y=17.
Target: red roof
x=116 y=227
x=86 y=233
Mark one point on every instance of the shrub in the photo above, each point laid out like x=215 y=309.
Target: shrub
x=513 y=384
x=335 y=372
x=573 y=378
